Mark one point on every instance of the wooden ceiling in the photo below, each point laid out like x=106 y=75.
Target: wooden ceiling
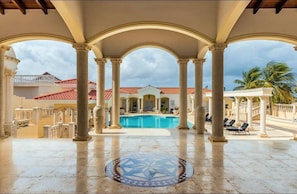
x=278 y=5
x=23 y=5
x=44 y=5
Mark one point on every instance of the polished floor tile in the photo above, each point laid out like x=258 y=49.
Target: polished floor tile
x=65 y=166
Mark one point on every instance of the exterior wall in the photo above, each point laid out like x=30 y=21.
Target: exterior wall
x=27 y=92
x=30 y=92
x=173 y=100
x=25 y=103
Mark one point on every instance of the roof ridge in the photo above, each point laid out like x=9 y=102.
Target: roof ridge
x=52 y=94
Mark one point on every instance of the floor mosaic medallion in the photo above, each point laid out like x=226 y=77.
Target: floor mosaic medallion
x=149 y=170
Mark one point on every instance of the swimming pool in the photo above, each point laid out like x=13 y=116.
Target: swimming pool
x=150 y=121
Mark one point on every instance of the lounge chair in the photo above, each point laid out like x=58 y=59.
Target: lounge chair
x=242 y=128
x=230 y=123
x=225 y=120
x=206 y=116
x=209 y=119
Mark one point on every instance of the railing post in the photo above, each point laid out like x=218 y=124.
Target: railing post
x=46 y=130
x=71 y=129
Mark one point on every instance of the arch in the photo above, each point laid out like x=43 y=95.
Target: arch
x=149 y=45
x=25 y=37
x=265 y=36
x=150 y=25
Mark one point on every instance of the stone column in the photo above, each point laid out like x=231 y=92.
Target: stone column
x=138 y=104
x=141 y=104
x=127 y=104
x=192 y=101
x=263 y=108
x=250 y=112
x=199 y=110
x=8 y=124
x=82 y=92
x=183 y=64
x=99 y=109
x=217 y=92
x=156 y=104
x=3 y=49
x=210 y=105
x=72 y=115
x=115 y=118
x=159 y=104
x=237 y=109
x=36 y=115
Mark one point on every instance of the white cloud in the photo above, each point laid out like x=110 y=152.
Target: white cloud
x=150 y=65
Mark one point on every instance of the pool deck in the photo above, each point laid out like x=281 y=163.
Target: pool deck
x=245 y=164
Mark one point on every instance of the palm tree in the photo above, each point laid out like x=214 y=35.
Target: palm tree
x=251 y=79
x=279 y=77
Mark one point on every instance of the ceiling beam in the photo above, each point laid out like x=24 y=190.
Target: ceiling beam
x=257 y=6
x=19 y=5
x=2 y=10
x=42 y=5
x=280 y=6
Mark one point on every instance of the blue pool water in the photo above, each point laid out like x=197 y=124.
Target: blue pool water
x=150 y=121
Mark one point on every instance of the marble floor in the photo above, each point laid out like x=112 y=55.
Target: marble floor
x=65 y=166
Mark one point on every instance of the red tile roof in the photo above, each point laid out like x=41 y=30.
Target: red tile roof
x=66 y=95
x=72 y=81
x=72 y=94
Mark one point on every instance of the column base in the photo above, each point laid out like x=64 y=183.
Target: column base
x=217 y=139
x=251 y=128
x=183 y=127
x=77 y=138
x=263 y=135
x=98 y=131
x=4 y=136
x=10 y=129
x=115 y=127
x=194 y=127
x=201 y=132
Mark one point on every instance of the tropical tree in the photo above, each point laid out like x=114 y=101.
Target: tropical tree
x=251 y=79
x=279 y=77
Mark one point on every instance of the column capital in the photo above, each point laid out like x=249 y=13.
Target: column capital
x=198 y=61
x=81 y=46
x=12 y=59
x=4 y=48
x=263 y=97
x=100 y=61
x=218 y=46
x=8 y=72
x=116 y=60
x=183 y=61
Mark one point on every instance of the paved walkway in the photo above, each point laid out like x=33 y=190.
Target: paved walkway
x=276 y=128
x=245 y=164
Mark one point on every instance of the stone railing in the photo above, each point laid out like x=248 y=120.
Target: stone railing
x=25 y=116
x=59 y=131
x=288 y=111
x=33 y=79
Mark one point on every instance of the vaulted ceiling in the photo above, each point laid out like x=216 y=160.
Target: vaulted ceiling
x=44 y=5
x=113 y=28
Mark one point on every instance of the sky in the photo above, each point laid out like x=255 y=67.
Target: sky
x=152 y=66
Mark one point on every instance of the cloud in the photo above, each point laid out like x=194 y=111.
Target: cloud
x=152 y=66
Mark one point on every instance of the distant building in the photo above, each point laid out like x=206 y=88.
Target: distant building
x=133 y=99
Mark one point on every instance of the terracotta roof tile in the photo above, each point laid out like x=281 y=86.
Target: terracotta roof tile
x=72 y=81
x=72 y=93
x=66 y=95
